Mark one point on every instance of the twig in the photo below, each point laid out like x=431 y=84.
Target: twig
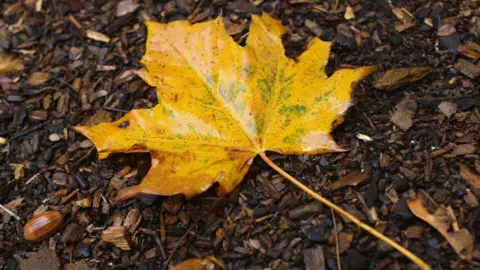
x=176 y=246
x=84 y=157
x=114 y=109
x=158 y=241
x=31 y=179
x=430 y=99
x=421 y=264
x=26 y=131
x=9 y=212
x=337 y=249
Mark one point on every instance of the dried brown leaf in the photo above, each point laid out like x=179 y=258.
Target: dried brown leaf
x=464 y=149
x=351 y=179
x=460 y=240
x=402 y=117
x=395 y=78
x=194 y=264
x=8 y=64
x=38 y=78
x=469 y=175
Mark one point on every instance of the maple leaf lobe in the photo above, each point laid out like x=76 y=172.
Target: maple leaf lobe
x=221 y=104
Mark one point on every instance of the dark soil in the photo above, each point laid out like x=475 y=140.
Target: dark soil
x=256 y=226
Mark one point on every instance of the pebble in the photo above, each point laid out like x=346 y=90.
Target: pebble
x=317 y=233
x=401 y=184
x=54 y=137
x=82 y=251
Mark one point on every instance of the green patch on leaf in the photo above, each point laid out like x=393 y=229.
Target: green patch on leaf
x=295 y=110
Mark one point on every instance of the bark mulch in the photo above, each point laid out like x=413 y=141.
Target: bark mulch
x=407 y=134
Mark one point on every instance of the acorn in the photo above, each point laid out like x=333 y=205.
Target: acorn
x=42 y=226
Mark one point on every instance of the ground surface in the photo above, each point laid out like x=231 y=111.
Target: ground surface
x=261 y=224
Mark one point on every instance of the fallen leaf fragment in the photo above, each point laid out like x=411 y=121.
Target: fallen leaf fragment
x=469 y=175
x=349 y=14
x=220 y=109
x=396 y=78
x=461 y=240
x=234 y=28
x=468 y=69
x=351 y=179
x=402 y=117
x=97 y=36
x=194 y=264
x=469 y=50
x=117 y=235
x=9 y=64
x=38 y=78
x=448 y=108
x=463 y=149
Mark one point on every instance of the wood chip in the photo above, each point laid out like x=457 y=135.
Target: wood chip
x=117 y=235
x=351 y=179
x=97 y=36
x=471 y=199
x=38 y=78
x=132 y=220
x=414 y=232
x=234 y=28
x=396 y=78
x=314 y=259
x=468 y=51
x=313 y=27
x=469 y=175
x=463 y=149
x=402 y=117
x=9 y=64
x=468 y=69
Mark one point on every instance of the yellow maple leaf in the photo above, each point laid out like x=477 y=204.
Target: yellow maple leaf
x=221 y=104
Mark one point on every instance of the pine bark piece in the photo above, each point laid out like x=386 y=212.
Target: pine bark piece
x=402 y=117
x=132 y=220
x=468 y=69
x=396 y=78
x=117 y=235
x=314 y=259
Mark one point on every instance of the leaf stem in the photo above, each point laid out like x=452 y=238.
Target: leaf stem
x=421 y=264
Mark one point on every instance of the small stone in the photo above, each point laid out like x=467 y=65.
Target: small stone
x=54 y=137
x=318 y=233
x=82 y=251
